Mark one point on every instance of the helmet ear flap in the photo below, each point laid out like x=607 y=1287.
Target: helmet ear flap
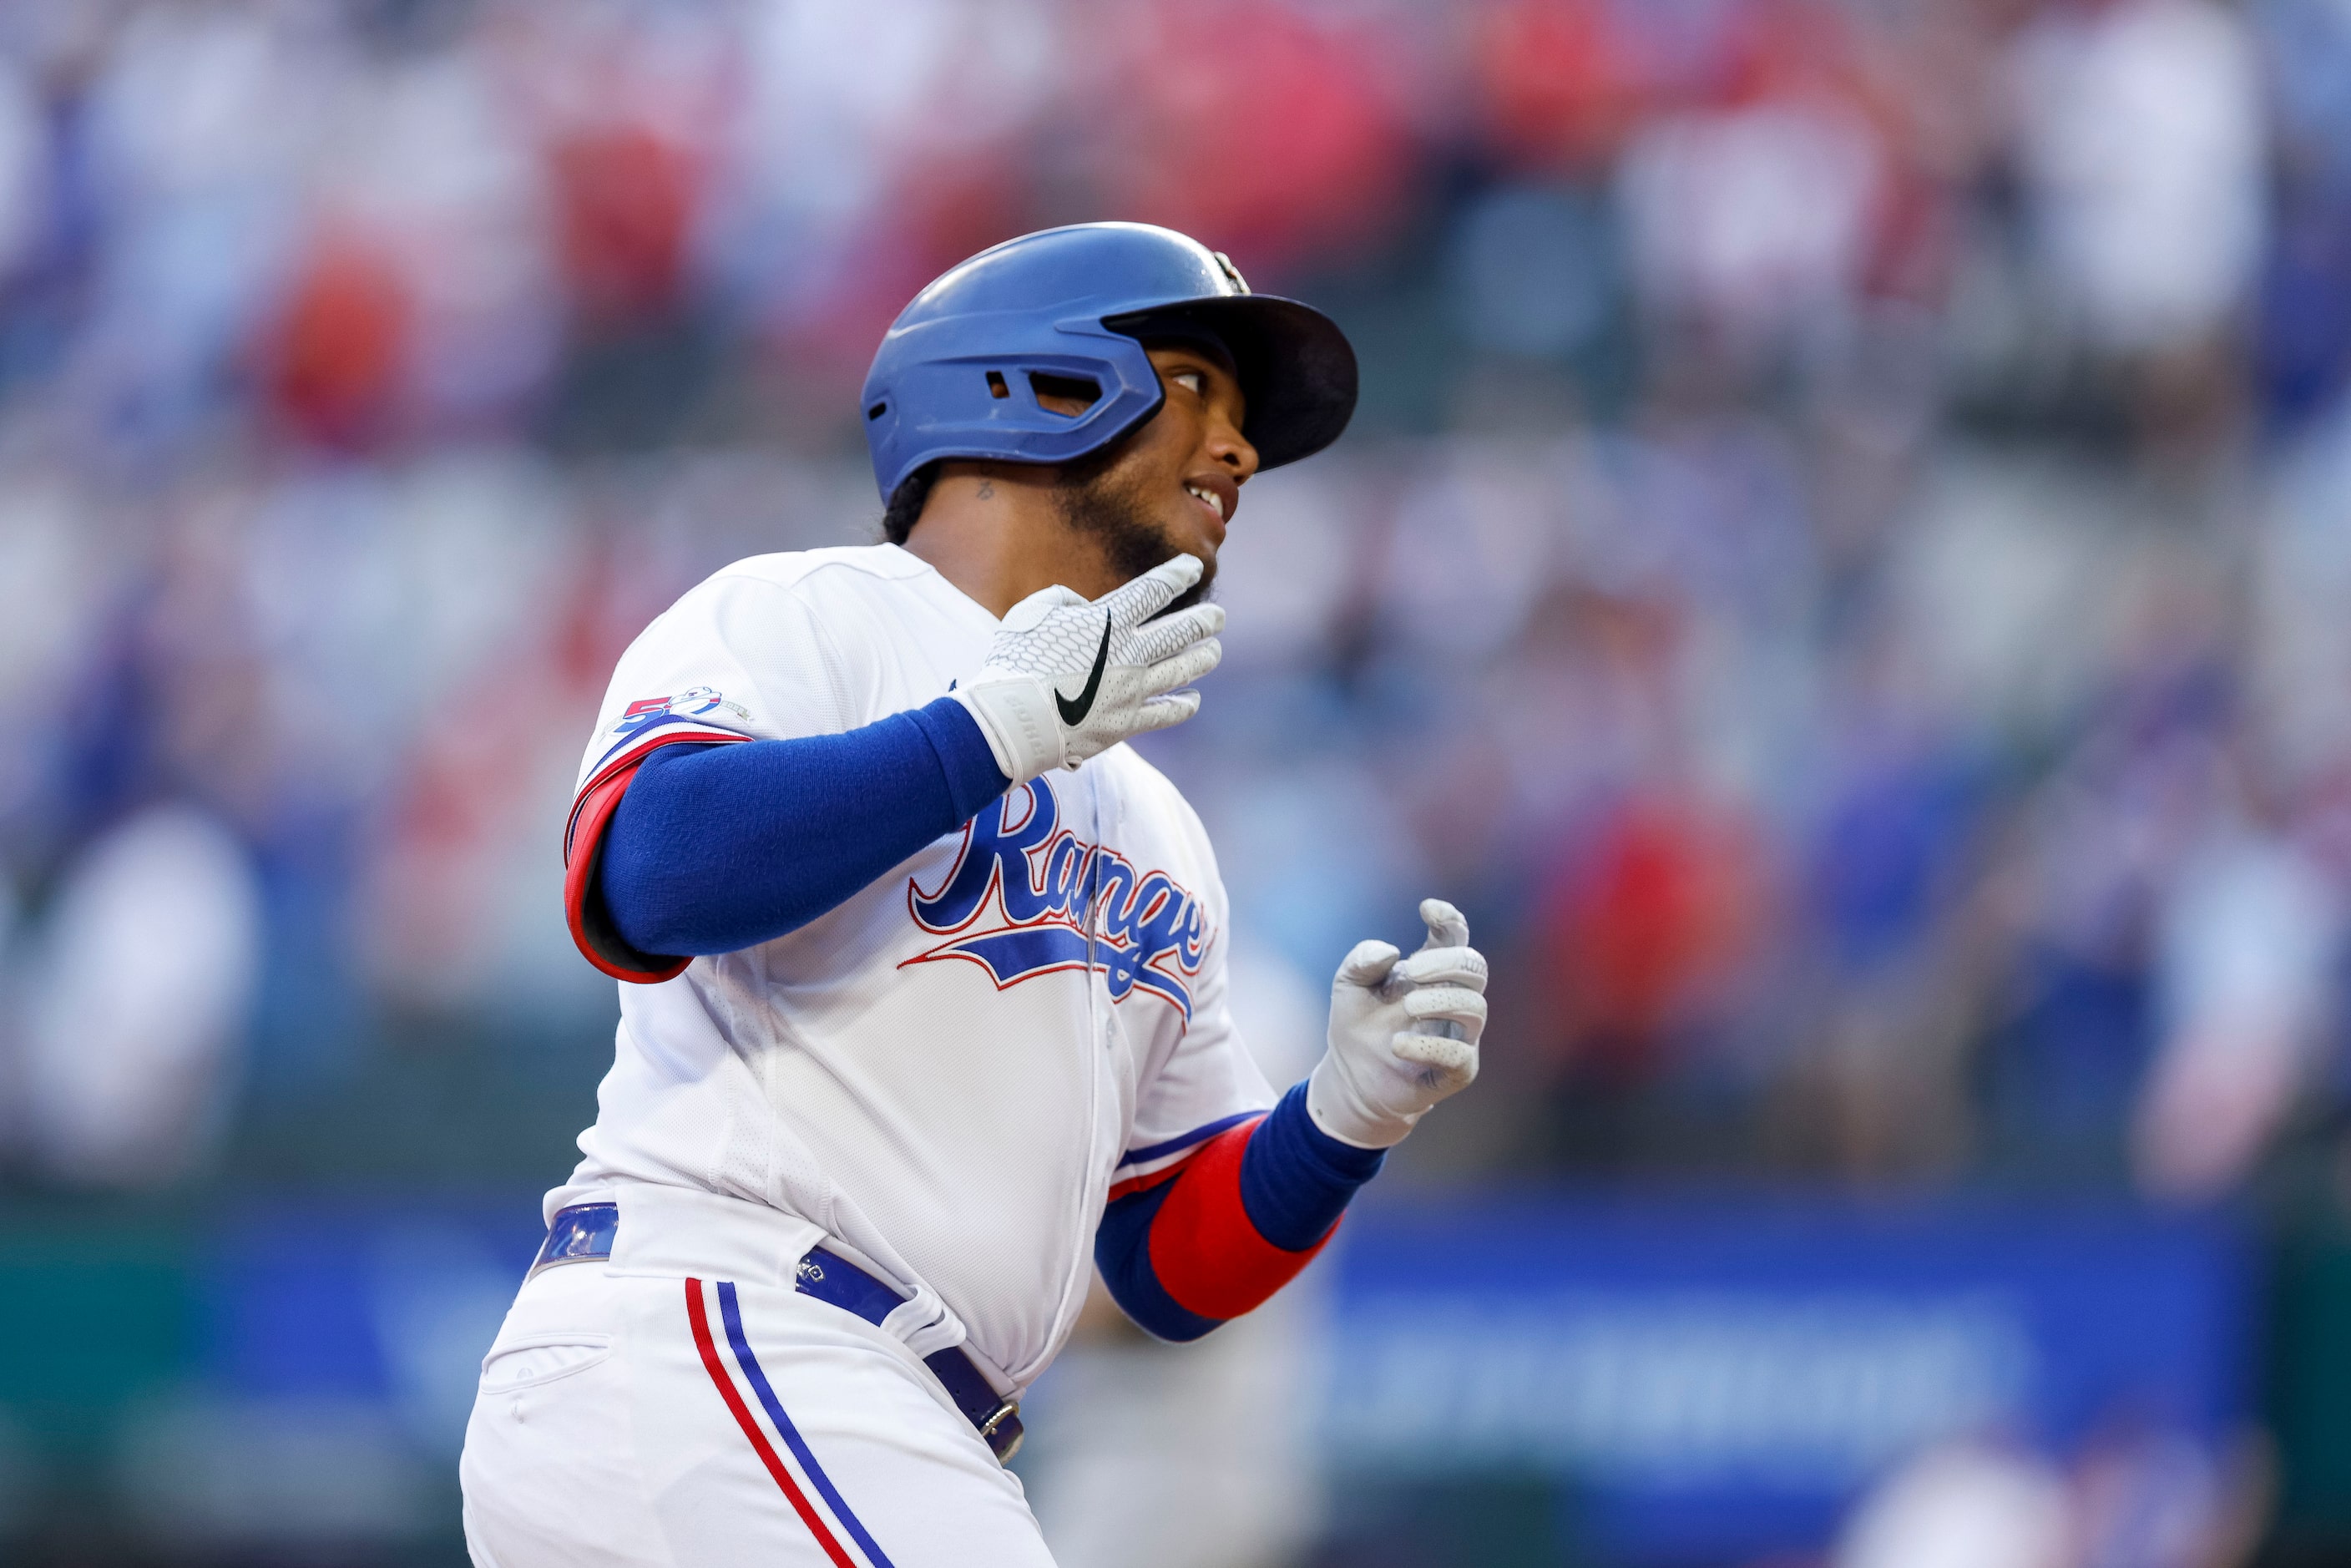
x=1047 y=393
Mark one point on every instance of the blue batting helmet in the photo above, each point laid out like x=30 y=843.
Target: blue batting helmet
x=956 y=374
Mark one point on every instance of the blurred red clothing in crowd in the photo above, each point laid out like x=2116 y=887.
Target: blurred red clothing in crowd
x=336 y=354
x=626 y=195
x=1638 y=941
x=1557 y=81
x=1275 y=151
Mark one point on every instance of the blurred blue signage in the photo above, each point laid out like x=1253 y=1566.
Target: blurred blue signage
x=337 y=1346
x=1724 y=1378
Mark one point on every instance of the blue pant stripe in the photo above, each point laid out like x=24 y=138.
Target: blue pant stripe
x=791 y=1436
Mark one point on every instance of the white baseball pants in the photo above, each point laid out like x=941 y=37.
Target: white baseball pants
x=627 y=1421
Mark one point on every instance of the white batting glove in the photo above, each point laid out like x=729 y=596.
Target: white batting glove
x=1067 y=677
x=1403 y=1033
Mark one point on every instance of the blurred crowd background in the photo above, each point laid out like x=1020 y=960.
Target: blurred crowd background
x=1841 y=569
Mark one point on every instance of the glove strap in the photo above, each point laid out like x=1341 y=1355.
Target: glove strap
x=1336 y=1109
x=1016 y=715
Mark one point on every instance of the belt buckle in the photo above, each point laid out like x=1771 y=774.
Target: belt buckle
x=1007 y=1410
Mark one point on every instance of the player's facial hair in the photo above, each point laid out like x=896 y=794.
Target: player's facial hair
x=1113 y=509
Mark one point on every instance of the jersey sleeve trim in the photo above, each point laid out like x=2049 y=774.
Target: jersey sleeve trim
x=1154 y=1154
x=1134 y=1185
x=593 y=931
x=635 y=748
x=1144 y=1168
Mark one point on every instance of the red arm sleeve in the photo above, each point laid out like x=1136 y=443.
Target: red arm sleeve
x=1207 y=1254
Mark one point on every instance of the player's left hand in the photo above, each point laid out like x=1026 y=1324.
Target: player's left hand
x=1403 y=1033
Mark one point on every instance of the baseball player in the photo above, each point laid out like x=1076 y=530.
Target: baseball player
x=923 y=1001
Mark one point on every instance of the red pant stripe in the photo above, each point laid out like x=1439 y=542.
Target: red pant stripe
x=700 y=1317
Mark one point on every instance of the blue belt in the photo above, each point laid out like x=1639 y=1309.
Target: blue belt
x=583 y=1234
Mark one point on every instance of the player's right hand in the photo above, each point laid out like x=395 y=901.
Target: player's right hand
x=1068 y=677
x=1403 y=1033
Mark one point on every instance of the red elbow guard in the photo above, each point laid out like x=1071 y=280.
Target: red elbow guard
x=1209 y=1258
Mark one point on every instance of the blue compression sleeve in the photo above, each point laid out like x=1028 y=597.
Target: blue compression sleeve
x=1122 y=1253
x=717 y=848
x=1295 y=1180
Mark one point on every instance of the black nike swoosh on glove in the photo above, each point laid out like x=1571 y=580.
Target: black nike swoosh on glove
x=1074 y=712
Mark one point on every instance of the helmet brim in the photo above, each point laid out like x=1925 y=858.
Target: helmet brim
x=1297 y=370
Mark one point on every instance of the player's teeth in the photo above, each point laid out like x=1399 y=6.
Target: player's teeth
x=1213 y=500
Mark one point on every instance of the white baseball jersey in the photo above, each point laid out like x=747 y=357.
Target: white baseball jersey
x=949 y=1071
